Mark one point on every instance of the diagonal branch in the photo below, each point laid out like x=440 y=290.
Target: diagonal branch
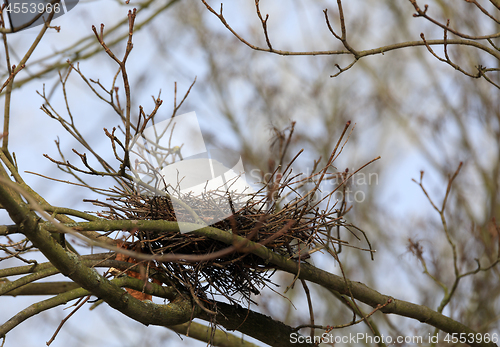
x=307 y=272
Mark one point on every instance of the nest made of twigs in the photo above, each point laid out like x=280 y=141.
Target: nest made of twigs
x=288 y=229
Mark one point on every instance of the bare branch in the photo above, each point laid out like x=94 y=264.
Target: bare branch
x=423 y=13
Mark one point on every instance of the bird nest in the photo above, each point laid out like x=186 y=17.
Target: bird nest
x=278 y=217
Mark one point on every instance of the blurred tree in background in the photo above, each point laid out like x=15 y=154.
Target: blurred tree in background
x=419 y=82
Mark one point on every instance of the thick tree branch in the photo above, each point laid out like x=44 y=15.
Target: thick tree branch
x=43 y=288
x=178 y=311
x=305 y=271
x=68 y=264
x=63 y=298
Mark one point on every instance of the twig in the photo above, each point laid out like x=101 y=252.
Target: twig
x=448 y=294
x=447 y=59
x=66 y=319
x=423 y=13
x=309 y=304
x=264 y=24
